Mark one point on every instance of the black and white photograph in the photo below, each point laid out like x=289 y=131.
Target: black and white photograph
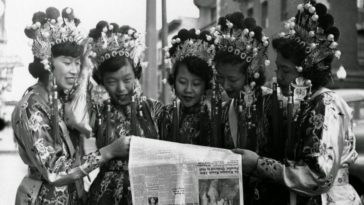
x=153 y=200
x=276 y=86
x=219 y=191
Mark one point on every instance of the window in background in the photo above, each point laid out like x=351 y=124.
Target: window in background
x=265 y=20
x=250 y=12
x=284 y=12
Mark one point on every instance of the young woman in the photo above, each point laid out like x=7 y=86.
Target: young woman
x=240 y=63
x=187 y=119
x=119 y=54
x=46 y=145
x=322 y=145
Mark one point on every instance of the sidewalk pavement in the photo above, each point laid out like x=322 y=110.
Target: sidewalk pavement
x=7 y=143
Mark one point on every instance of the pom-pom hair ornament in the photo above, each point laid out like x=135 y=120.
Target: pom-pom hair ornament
x=313 y=29
x=192 y=43
x=49 y=28
x=241 y=37
x=110 y=40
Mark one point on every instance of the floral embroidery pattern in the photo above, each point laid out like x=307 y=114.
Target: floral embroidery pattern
x=328 y=99
x=92 y=161
x=56 y=195
x=270 y=167
x=113 y=178
x=36 y=122
x=44 y=152
x=317 y=120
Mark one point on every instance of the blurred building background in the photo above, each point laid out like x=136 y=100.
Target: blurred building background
x=270 y=14
x=159 y=20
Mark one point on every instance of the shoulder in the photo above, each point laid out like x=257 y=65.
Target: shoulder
x=152 y=103
x=34 y=96
x=33 y=105
x=335 y=102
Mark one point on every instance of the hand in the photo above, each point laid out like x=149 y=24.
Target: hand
x=118 y=149
x=86 y=60
x=249 y=158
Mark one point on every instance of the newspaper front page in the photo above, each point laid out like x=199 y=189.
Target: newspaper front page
x=167 y=173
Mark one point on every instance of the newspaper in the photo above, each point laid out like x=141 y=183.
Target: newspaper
x=168 y=173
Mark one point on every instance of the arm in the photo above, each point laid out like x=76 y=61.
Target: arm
x=46 y=153
x=321 y=151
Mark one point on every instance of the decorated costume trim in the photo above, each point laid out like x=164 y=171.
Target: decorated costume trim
x=313 y=29
x=50 y=28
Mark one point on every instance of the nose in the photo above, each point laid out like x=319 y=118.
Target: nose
x=75 y=68
x=226 y=85
x=188 y=88
x=121 y=87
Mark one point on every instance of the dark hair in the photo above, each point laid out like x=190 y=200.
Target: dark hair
x=71 y=49
x=114 y=64
x=195 y=65
x=291 y=49
x=37 y=70
x=223 y=56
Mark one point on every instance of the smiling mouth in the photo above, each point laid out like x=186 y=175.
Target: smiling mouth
x=71 y=80
x=187 y=98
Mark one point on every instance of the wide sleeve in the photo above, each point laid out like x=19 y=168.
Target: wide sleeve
x=164 y=120
x=321 y=146
x=156 y=109
x=48 y=155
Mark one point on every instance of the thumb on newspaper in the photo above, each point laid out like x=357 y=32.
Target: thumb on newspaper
x=249 y=160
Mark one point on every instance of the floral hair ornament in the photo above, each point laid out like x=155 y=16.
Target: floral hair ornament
x=312 y=28
x=245 y=41
x=110 y=41
x=50 y=28
x=202 y=48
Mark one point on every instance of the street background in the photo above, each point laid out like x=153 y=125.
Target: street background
x=159 y=20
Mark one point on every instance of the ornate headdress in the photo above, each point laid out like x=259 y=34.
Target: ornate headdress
x=111 y=41
x=198 y=44
x=49 y=28
x=313 y=29
x=243 y=38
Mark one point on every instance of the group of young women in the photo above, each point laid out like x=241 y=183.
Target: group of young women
x=230 y=58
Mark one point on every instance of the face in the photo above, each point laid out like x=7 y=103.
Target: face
x=286 y=73
x=66 y=71
x=231 y=78
x=120 y=84
x=189 y=87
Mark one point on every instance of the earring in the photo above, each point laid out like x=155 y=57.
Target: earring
x=300 y=88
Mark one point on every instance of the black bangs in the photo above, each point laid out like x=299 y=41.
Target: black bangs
x=115 y=63
x=71 y=49
x=195 y=66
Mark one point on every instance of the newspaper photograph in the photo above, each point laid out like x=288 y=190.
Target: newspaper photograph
x=168 y=173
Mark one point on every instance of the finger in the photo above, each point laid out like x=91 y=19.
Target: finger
x=85 y=44
x=238 y=151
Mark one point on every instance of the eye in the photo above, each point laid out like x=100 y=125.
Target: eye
x=67 y=62
x=110 y=82
x=182 y=81
x=128 y=80
x=219 y=78
x=78 y=63
x=197 y=83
